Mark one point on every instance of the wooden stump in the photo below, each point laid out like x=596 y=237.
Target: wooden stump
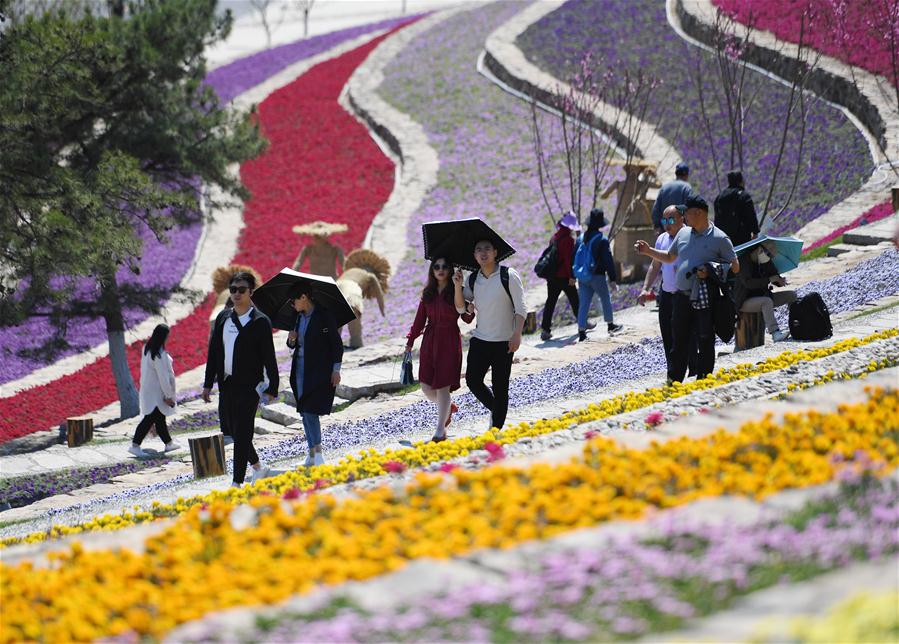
x=208 y=455
x=750 y=331
x=79 y=430
x=530 y=322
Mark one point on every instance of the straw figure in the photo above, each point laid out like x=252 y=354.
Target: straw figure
x=364 y=277
x=324 y=257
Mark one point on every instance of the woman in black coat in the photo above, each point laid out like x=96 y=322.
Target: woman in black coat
x=315 y=368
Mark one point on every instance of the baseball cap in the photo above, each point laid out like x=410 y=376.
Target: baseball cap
x=681 y=168
x=695 y=201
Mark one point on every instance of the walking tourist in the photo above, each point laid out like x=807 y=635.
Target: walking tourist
x=671 y=193
x=594 y=269
x=157 y=392
x=735 y=212
x=440 y=360
x=241 y=358
x=498 y=297
x=697 y=248
x=315 y=368
x=673 y=221
x=563 y=279
x=753 y=293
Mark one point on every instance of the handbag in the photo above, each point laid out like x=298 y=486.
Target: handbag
x=406 y=375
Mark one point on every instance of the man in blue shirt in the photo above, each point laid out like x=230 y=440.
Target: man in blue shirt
x=671 y=193
x=694 y=248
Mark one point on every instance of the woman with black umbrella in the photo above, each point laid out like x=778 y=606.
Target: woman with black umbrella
x=315 y=368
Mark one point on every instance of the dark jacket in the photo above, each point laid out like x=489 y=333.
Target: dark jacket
x=602 y=255
x=322 y=349
x=735 y=215
x=254 y=353
x=752 y=280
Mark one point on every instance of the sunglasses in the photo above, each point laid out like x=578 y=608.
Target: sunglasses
x=441 y=267
x=668 y=221
x=239 y=289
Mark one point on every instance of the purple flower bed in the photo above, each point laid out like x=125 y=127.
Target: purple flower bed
x=629 y=587
x=635 y=34
x=483 y=138
x=868 y=281
x=25 y=490
x=164 y=263
x=235 y=78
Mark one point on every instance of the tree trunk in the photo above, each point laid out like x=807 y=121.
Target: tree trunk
x=129 y=403
x=305 y=23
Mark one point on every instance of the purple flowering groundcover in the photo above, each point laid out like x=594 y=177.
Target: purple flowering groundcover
x=635 y=34
x=629 y=586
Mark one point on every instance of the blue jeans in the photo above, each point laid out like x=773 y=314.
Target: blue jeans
x=586 y=290
x=312 y=424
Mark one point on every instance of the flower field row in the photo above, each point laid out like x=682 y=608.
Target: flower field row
x=857 y=33
x=865 y=617
x=301 y=542
x=635 y=34
x=482 y=137
x=300 y=178
x=164 y=263
x=630 y=587
x=372 y=463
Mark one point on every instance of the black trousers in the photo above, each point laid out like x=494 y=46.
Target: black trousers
x=495 y=356
x=554 y=287
x=157 y=418
x=685 y=320
x=240 y=402
x=666 y=309
x=223 y=418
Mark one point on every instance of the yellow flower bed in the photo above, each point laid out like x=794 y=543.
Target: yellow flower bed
x=370 y=463
x=863 y=618
x=223 y=555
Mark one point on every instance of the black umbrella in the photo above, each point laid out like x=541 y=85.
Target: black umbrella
x=455 y=241
x=274 y=298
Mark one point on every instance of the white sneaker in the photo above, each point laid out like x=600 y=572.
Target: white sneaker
x=310 y=461
x=262 y=473
x=318 y=459
x=235 y=484
x=780 y=336
x=229 y=440
x=172 y=446
x=137 y=451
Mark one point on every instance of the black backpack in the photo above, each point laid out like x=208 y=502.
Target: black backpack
x=548 y=263
x=810 y=319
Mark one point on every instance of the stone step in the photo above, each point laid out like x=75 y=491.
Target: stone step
x=839 y=249
x=871 y=234
x=280 y=413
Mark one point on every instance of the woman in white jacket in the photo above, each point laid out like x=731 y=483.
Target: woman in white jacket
x=157 y=392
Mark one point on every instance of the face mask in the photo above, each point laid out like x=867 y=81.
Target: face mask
x=763 y=257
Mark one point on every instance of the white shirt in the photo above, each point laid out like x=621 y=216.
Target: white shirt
x=495 y=318
x=229 y=337
x=669 y=271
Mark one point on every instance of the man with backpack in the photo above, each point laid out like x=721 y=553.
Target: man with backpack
x=594 y=268
x=555 y=267
x=735 y=212
x=498 y=297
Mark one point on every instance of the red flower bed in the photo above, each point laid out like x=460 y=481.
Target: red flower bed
x=322 y=164
x=878 y=212
x=854 y=31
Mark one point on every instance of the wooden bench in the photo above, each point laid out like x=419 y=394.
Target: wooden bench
x=79 y=430
x=750 y=331
x=207 y=453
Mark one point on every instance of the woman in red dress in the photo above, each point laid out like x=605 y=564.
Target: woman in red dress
x=440 y=363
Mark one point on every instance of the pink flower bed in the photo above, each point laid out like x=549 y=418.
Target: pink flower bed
x=853 y=31
x=878 y=212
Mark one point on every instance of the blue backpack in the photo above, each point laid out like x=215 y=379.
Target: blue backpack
x=584 y=265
